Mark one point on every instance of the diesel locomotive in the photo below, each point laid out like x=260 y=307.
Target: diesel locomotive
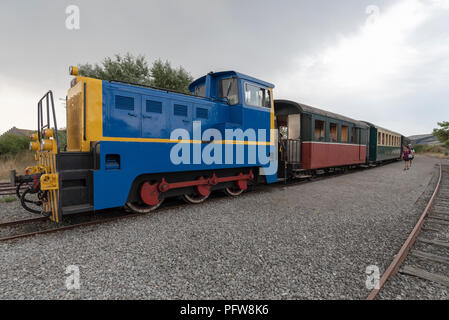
x=130 y=145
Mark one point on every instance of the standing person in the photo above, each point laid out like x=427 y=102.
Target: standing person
x=412 y=154
x=406 y=157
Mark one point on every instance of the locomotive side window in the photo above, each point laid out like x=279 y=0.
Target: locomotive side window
x=257 y=96
x=124 y=103
x=319 y=130
x=228 y=88
x=333 y=132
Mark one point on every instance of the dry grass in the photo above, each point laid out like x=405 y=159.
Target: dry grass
x=18 y=162
x=437 y=155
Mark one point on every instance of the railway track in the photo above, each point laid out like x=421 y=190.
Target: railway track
x=7 y=189
x=114 y=215
x=432 y=231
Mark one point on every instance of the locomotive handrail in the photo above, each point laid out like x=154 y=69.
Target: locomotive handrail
x=48 y=97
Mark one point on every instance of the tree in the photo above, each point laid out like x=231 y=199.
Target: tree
x=164 y=76
x=11 y=144
x=442 y=133
x=136 y=70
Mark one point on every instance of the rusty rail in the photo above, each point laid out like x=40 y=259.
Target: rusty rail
x=23 y=221
x=72 y=226
x=402 y=254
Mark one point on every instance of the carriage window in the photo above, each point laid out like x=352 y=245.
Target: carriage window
x=228 y=88
x=257 y=96
x=319 y=130
x=344 y=134
x=200 y=90
x=355 y=135
x=333 y=130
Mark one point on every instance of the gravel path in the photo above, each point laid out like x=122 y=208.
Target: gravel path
x=309 y=241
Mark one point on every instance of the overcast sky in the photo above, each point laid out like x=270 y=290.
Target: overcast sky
x=386 y=62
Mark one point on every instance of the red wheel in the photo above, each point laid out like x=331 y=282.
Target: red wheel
x=201 y=194
x=150 y=199
x=233 y=191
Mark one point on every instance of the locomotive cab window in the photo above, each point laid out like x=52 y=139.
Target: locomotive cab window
x=228 y=88
x=200 y=90
x=319 y=130
x=257 y=96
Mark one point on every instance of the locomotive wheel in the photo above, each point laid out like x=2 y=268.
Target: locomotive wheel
x=150 y=198
x=194 y=198
x=233 y=191
x=201 y=194
x=140 y=207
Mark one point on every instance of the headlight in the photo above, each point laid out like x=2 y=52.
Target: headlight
x=73 y=71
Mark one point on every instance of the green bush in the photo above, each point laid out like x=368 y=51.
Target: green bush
x=11 y=144
x=62 y=137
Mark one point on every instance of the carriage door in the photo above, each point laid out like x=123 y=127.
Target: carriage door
x=294 y=136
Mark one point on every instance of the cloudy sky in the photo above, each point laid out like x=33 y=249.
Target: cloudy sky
x=382 y=61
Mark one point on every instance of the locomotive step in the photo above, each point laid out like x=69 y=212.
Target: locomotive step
x=77 y=208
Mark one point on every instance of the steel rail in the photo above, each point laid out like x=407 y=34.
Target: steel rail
x=402 y=254
x=73 y=226
x=22 y=221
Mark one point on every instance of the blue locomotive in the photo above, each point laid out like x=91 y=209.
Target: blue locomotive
x=134 y=146
x=131 y=145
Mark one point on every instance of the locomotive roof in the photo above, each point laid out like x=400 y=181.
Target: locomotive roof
x=231 y=73
x=303 y=108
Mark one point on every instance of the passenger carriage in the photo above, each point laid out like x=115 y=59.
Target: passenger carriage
x=312 y=139
x=384 y=144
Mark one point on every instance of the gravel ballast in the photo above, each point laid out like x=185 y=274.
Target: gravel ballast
x=308 y=241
